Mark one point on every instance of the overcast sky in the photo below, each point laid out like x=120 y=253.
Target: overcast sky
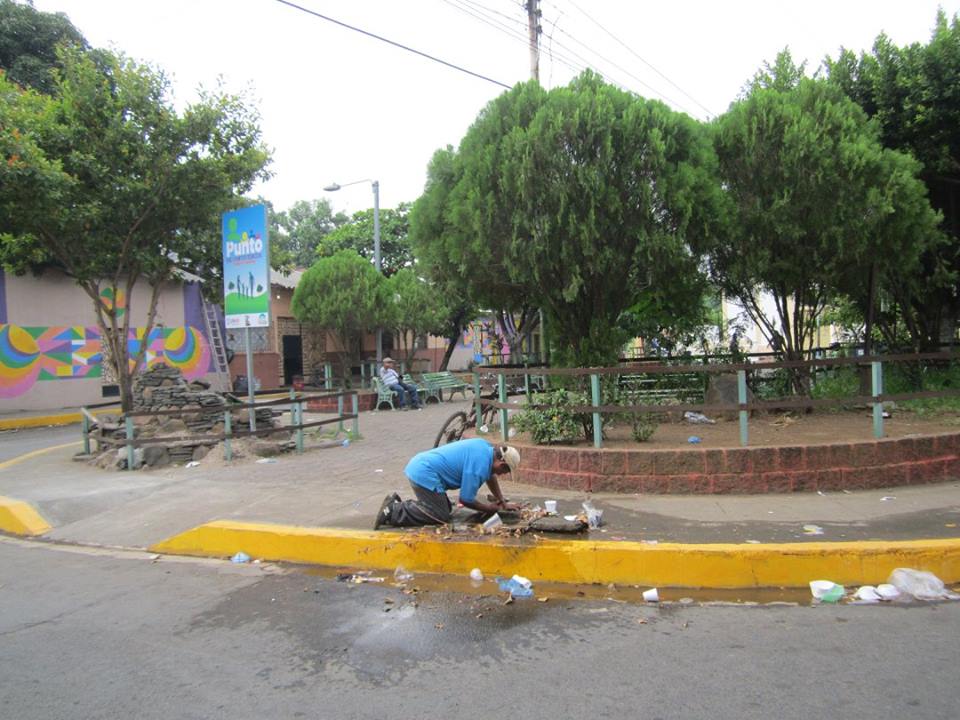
x=339 y=106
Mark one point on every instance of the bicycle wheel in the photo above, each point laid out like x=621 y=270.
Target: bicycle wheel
x=452 y=429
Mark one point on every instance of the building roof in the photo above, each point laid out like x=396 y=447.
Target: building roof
x=288 y=280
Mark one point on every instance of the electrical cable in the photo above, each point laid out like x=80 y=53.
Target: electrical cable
x=391 y=42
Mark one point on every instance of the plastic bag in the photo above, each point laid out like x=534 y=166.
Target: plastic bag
x=401 y=574
x=920 y=584
x=698 y=418
x=826 y=591
x=515 y=588
x=594 y=516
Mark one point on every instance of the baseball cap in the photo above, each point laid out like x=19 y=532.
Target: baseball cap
x=511 y=456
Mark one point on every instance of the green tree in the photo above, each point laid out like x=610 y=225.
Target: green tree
x=913 y=93
x=433 y=238
x=108 y=182
x=416 y=309
x=576 y=200
x=357 y=234
x=302 y=229
x=28 y=44
x=346 y=294
x=815 y=201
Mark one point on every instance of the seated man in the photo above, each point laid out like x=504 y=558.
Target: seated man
x=464 y=465
x=392 y=380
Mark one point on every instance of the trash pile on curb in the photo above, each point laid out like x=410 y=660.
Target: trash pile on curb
x=904 y=584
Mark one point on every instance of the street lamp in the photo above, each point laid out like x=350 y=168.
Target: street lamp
x=333 y=187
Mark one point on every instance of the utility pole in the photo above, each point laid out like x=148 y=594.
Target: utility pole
x=533 y=25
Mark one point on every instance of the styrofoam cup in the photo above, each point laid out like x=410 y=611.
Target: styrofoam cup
x=550 y=506
x=651 y=595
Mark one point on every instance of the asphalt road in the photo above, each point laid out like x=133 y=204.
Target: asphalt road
x=17 y=442
x=106 y=634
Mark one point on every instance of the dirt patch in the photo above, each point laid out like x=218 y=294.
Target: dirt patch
x=774 y=430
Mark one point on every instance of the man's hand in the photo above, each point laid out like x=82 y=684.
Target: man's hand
x=504 y=505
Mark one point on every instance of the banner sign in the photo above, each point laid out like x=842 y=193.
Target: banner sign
x=246 y=268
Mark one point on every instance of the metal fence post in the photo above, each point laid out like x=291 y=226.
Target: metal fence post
x=597 y=422
x=340 y=412
x=227 y=432
x=502 y=387
x=355 y=406
x=478 y=406
x=298 y=408
x=327 y=376
x=742 y=399
x=128 y=424
x=876 y=376
x=363 y=374
x=85 y=429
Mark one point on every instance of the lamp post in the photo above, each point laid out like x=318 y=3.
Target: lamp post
x=333 y=187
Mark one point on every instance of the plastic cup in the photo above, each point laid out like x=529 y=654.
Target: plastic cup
x=550 y=506
x=651 y=595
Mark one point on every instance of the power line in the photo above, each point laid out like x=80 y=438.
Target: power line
x=636 y=55
x=391 y=42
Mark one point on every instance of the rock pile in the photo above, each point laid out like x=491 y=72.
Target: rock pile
x=201 y=412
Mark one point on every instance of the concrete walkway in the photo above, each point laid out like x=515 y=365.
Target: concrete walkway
x=341 y=487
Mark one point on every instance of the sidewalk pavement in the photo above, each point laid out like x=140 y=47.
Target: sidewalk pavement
x=334 y=492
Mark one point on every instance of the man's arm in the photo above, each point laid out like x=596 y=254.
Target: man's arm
x=502 y=503
x=480 y=506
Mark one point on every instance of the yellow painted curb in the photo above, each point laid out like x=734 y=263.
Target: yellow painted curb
x=586 y=561
x=45 y=420
x=19 y=518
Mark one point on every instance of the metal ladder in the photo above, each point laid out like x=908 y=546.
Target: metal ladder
x=217 y=347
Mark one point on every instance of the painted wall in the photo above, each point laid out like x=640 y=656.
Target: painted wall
x=50 y=351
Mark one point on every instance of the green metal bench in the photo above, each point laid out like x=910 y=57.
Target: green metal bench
x=437 y=382
x=384 y=394
x=683 y=387
x=425 y=392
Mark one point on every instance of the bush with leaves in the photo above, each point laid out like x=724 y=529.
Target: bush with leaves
x=552 y=419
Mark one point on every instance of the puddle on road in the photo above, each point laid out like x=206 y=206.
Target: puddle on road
x=632 y=594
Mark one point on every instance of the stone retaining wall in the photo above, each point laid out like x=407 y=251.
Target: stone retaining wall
x=842 y=466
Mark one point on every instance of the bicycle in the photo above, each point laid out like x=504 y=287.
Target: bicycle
x=458 y=423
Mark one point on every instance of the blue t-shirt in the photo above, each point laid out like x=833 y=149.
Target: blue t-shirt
x=466 y=465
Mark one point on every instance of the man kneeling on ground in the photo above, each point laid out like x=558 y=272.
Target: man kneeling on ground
x=465 y=466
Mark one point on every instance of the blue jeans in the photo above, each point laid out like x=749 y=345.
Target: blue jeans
x=399 y=389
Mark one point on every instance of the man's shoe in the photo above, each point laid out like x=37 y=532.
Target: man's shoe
x=383 y=514
x=396 y=497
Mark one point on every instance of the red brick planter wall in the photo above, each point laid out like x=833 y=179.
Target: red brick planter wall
x=365 y=401
x=847 y=466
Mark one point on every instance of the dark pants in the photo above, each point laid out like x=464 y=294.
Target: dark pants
x=401 y=388
x=430 y=508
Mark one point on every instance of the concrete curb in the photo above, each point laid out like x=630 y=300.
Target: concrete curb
x=20 y=518
x=579 y=561
x=69 y=418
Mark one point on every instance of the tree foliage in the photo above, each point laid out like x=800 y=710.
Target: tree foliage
x=416 y=309
x=107 y=181
x=302 y=228
x=357 y=234
x=575 y=200
x=346 y=294
x=28 y=44
x=816 y=200
x=913 y=94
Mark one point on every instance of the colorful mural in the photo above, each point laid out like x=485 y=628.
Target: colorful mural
x=486 y=340
x=106 y=297
x=32 y=354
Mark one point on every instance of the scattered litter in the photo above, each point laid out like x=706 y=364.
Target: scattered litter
x=493 y=522
x=240 y=557
x=686 y=601
x=888 y=497
x=439 y=626
x=886 y=415
x=550 y=506
x=358 y=578
x=921 y=584
x=571 y=518
x=650 y=542
x=512 y=432
x=867 y=593
x=950 y=525
x=518 y=587
x=401 y=574
x=346 y=442
x=784 y=421
x=154 y=557
x=476 y=574
x=543 y=599
x=753 y=542
x=651 y=595
x=698 y=418
x=388 y=601
x=812 y=530
x=886 y=591
x=266 y=461
x=594 y=516
x=641 y=621
x=769 y=512
x=484 y=428
x=192 y=463
x=693 y=439
x=379 y=470
x=258 y=561
x=821 y=493
x=826 y=591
